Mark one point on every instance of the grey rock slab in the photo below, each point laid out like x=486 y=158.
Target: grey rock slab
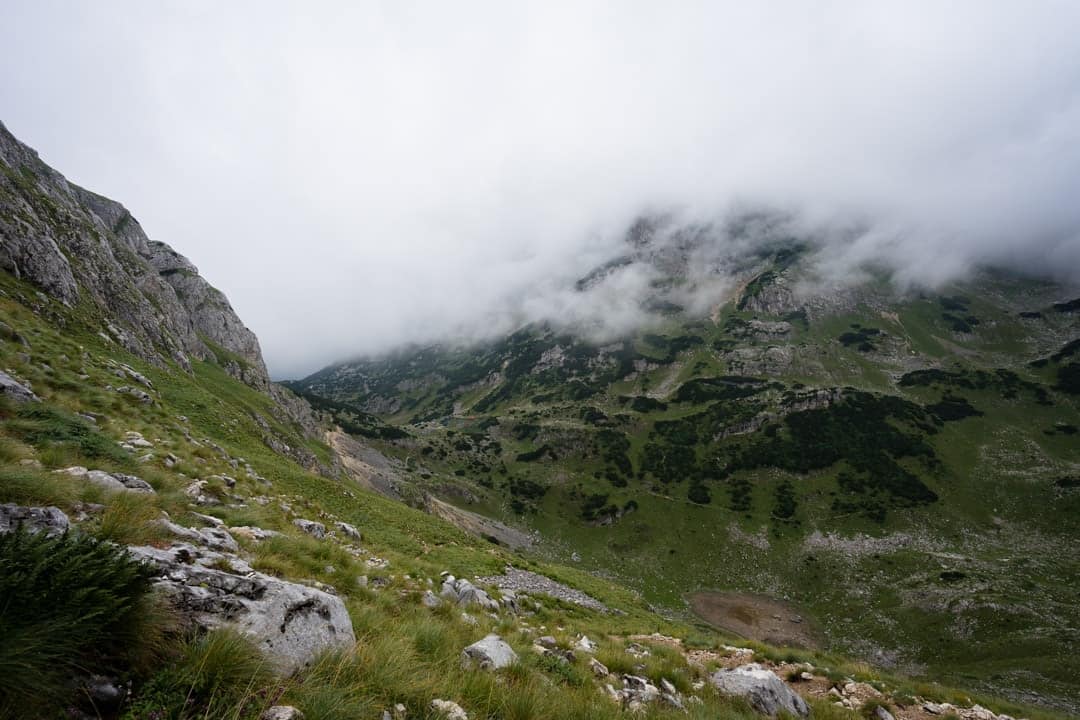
x=15 y=390
x=348 y=530
x=50 y=520
x=760 y=687
x=291 y=623
x=212 y=537
x=311 y=527
x=491 y=653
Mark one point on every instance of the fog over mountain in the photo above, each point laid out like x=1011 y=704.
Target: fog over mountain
x=356 y=176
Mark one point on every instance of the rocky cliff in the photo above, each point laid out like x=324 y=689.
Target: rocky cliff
x=90 y=253
x=80 y=247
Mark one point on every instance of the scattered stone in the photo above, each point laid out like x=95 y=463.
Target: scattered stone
x=282 y=712
x=135 y=439
x=15 y=390
x=251 y=532
x=449 y=710
x=109 y=481
x=547 y=641
x=195 y=492
x=50 y=520
x=530 y=582
x=214 y=538
x=348 y=530
x=599 y=669
x=637 y=650
x=586 y=645
x=210 y=520
x=491 y=653
x=315 y=529
x=430 y=600
x=882 y=713
x=762 y=688
x=464 y=593
x=105 y=692
x=136 y=393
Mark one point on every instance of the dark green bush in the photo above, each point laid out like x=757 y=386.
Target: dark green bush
x=67 y=603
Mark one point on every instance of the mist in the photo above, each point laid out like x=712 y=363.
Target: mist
x=355 y=176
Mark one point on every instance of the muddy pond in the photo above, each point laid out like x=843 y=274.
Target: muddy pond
x=757 y=617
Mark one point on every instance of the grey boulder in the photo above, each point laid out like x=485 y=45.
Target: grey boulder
x=49 y=520
x=109 y=481
x=312 y=528
x=348 y=530
x=290 y=623
x=491 y=653
x=15 y=390
x=760 y=687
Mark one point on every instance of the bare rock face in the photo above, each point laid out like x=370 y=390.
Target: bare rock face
x=291 y=623
x=762 y=688
x=49 y=520
x=157 y=304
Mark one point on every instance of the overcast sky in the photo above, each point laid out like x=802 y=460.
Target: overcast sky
x=355 y=175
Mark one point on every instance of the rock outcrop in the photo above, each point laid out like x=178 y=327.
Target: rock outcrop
x=15 y=390
x=762 y=688
x=49 y=520
x=77 y=246
x=291 y=623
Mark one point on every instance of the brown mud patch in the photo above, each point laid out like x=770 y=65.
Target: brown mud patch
x=757 y=617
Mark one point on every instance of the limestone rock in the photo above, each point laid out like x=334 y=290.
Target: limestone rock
x=109 y=481
x=348 y=530
x=50 y=520
x=15 y=390
x=214 y=538
x=449 y=710
x=312 y=528
x=464 y=593
x=282 y=712
x=491 y=653
x=762 y=688
x=253 y=533
x=291 y=623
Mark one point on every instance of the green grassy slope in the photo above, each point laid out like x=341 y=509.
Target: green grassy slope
x=921 y=519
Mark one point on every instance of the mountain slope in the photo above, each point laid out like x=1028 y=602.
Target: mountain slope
x=129 y=429
x=899 y=466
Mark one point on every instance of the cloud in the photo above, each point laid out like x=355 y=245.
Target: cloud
x=354 y=176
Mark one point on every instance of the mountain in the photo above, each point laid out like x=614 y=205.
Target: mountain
x=839 y=462
x=182 y=538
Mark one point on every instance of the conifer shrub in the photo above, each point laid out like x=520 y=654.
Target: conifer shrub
x=67 y=603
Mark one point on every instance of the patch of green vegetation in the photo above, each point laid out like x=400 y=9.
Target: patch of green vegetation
x=69 y=602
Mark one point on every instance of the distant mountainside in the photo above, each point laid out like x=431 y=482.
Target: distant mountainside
x=900 y=466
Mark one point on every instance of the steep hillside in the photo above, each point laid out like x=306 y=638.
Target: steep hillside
x=895 y=470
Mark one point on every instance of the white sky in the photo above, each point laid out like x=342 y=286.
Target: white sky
x=357 y=175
